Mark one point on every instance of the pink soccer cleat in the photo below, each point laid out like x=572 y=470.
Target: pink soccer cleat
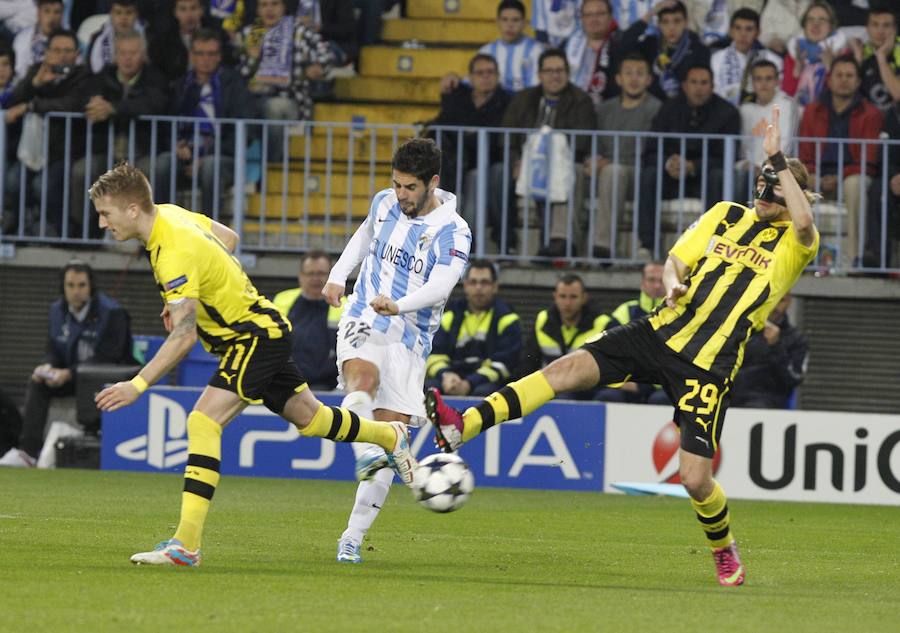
x=728 y=566
x=447 y=421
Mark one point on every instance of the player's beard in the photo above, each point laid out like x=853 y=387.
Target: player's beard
x=417 y=209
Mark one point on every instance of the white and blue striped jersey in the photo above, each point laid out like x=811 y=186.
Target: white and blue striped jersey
x=518 y=62
x=557 y=19
x=399 y=255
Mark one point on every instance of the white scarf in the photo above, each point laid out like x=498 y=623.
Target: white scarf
x=103 y=52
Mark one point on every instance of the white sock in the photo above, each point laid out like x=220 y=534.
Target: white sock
x=371 y=494
x=370 y=497
x=359 y=402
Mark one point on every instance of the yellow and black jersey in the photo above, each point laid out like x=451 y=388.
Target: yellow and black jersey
x=189 y=262
x=740 y=267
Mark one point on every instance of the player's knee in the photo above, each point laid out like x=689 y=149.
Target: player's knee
x=697 y=481
x=573 y=372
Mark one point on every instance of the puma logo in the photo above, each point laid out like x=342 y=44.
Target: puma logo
x=228 y=377
x=727 y=224
x=705 y=425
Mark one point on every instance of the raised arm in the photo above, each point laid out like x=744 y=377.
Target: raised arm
x=357 y=248
x=674 y=274
x=794 y=196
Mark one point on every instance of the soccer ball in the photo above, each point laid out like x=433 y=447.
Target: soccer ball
x=443 y=482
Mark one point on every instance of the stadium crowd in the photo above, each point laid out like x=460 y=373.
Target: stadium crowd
x=691 y=66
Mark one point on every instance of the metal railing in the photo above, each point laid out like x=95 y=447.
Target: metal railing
x=291 y=186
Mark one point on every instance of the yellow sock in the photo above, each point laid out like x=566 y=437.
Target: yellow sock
x=342 y=425
x=201 y=476
x=713 y=515
x=515 y=400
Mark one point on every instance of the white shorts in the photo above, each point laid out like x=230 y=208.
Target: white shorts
x=401 y=372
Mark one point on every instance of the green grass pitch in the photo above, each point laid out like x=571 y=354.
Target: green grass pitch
x=511 y=560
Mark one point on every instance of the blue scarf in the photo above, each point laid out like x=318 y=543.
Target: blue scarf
x=6 y=93
x=665 y=64
x=277 y=50
x=207 y=107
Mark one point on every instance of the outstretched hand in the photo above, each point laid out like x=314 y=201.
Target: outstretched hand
x=772 y=139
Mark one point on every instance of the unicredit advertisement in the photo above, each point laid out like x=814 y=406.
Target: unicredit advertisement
x=558 y=447
x=765 y=454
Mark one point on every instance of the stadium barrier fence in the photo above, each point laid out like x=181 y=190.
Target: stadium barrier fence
x=290 y=186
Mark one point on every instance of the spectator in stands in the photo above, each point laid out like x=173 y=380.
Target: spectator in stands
x=15 y=16
x=370 y=18
x=779 y=21
x=885 y=203
x=334 y=22
x=653 y=292
x=558 y=104
x=592 y=51
x=477 y=347
x=632 y=111
x=31 y=43
x=671 y=52
x=85 y=326
x=711 y=19
x=696 y=110
x=8 y=212
x=775 y=361
x=279 y=58
x=570 y=322
x=811 y=53
x=170 y=43
x=554 y=21
x=314 y=322
x=119 y=94
x=480 y=103
x=755 y=117
x=627 y=12
x=842 y=113
x=57 y=84
x=731 y=65
x=208 y=91
x=123 y=18
x=7 y=76
x=879 y=57
x=517 y=54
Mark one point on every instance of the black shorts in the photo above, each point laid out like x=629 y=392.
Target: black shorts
x=633 y=352
x=260 y=371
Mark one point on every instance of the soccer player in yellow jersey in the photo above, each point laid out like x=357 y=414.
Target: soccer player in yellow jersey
x=722 y=278
x=208 y=295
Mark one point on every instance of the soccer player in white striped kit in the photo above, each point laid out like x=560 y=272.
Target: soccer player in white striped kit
x=414 y=247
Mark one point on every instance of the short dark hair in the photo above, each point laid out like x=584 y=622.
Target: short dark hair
x=41 y=3
x=847 y=59
x=553 y=52
x=764 y=63
x=63 y=33
x=880 y=8
x=125 y=3
x=7 y=51
x=745 y=13
x=419 y=157
x=207 y=35
x=482 y=264
x=482 y=57
x=570 y=278
x=608 y=4
x=314 y=254
x=78 y=266
x=633 y=56
x=701 y=65
x=678 y=7
x=511 y=4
